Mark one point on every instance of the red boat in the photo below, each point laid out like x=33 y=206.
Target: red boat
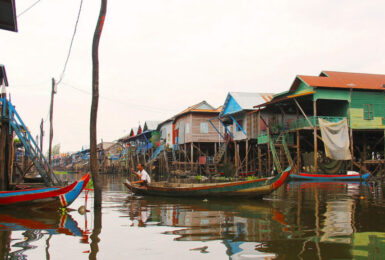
x=50 y=198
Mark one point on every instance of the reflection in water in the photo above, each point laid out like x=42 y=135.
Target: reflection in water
x=36 y=225
x=95 y=233
x=303 y=220
x=5 y=240
x=240 y=226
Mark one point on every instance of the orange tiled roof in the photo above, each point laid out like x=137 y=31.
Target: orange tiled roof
x=336 y=79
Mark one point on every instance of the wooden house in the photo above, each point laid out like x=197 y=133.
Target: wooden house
x=166 y=133
x=194 y=135
x=241 y=129
x=333 y=96
x=235 y=115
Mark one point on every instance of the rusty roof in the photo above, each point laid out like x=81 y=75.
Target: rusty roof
x=335 y=79
x=202 y=107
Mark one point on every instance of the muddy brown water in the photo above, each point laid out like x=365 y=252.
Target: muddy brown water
x=302 y=220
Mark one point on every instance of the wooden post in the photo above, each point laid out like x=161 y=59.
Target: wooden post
x=236 y=158
x=4 y=129
x=41 y=134
x=94 y=106
x=315 y=137
x=351 y=148
x=247 y=155
x=298 y=152
x=192 y=156
x=3 y=156
x=53 y=92
x=268 y=155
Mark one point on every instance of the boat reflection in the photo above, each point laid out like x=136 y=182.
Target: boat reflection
x=242 y=227
x=36 y=225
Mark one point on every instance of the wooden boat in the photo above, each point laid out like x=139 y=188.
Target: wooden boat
x=330 y=177
x=241 y=189
x=51 y=197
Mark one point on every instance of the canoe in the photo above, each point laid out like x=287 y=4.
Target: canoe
x=241 y=189
x=329 y=177
x=50 y=198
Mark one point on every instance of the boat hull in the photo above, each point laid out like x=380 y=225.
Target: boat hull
x=327 y=177
x=51 y=197
x=242 y=189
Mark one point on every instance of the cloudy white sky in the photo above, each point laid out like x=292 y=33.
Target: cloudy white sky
x=159 y=56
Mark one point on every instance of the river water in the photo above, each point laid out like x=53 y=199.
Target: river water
x=301 y=220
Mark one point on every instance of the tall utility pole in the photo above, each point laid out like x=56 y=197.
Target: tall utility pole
x=53 y=92
x=94 y=106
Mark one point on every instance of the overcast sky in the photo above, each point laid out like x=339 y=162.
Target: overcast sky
x=159 y=56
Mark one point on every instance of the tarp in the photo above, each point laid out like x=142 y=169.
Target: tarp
x=336 y=139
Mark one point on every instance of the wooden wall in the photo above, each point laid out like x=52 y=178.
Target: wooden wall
x=192 y=125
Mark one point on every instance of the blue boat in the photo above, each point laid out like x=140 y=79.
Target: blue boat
x=330 y=177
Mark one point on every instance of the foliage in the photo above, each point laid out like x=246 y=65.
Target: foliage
x=228 y=169
x=61 y=172
x=90 y=184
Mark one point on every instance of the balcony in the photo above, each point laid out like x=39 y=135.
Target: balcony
x=303 y=123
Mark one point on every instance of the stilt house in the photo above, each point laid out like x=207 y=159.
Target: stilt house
x=194 y=136
x=355 y=101
x=241 y=129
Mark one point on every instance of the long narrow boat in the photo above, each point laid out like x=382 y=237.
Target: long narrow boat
x=329 y=177
x=240 y=189
x=50 y=198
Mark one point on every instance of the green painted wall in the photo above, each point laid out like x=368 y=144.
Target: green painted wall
x=303 y=88
x=359 y=98
x=333 y=94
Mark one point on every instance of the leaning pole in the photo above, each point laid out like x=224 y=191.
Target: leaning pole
x=94 y=106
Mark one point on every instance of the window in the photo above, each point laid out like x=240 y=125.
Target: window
x=237 y=127
x=368 y=111
x=204 y=128
x=187 y=128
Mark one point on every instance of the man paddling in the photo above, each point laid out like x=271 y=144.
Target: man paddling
x=142 y=175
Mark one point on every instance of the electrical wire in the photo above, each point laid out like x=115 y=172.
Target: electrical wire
x=148 y=108
x=28 y=8
x=72 y=41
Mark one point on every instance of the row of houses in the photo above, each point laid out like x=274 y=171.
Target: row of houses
x=331 y=123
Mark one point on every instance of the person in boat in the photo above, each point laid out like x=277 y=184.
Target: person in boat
x=144 y=177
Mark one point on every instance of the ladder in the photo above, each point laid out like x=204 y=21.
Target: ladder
x=220 y=153
x=156 y=153
x=282 y=141
x=274 y=153
x=31 y=148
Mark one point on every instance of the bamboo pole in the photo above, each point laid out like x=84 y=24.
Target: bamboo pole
x=315 y=138
x=53 y=92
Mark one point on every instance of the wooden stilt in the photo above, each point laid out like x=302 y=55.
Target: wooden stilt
x=298 y=152
x=315 y=137
x=247 y=156
x=3 y=156
x=192 y=156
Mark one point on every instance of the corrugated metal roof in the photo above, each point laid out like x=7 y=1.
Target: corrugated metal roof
x=247 y=100
x=151 y=125
x=334 y=79
x=202 y=107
